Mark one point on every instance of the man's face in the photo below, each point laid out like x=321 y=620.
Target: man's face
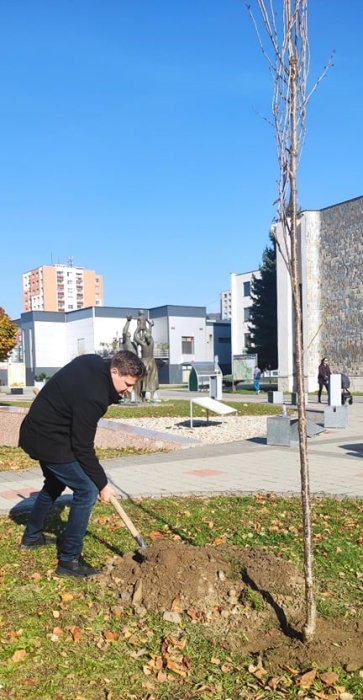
x=122 y=383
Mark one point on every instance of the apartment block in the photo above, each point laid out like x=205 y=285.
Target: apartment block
x=61 y=288
x=226 y=305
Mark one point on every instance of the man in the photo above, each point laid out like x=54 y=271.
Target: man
x=59 y=431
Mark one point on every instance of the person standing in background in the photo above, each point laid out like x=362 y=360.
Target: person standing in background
x=256 y=379
x=323 y=377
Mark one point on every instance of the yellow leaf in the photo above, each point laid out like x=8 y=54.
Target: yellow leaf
x=294 y=671
x=175 y=667
x=18 y=655
x=156 y=535
x=179 y=643
x=36 y=577
x=148 y=685
x=329 y=678
x=219 y=540
x=161 y=677
x=76 y=634
x=260 y=673
x=56 y=614
x=53 y=637
x=227 y=668
x=66 y=597
x=176 y=605
x=110 y=636
x=306 y=679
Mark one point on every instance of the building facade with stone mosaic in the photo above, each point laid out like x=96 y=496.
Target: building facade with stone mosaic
x=330 y=251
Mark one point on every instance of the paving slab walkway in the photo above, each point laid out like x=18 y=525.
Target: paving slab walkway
x=244 y=467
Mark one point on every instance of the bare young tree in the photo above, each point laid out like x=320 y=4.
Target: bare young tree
x=287 y=56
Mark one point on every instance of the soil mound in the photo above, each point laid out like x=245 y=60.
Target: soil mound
x=248 y=598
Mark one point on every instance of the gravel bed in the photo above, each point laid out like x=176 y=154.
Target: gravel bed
x=215 y=431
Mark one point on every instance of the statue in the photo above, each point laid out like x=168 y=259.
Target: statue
x=143 y=338
x=128 y=344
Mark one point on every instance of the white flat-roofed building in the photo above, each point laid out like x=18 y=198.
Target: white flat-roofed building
x=241 y=303
x=182 y=335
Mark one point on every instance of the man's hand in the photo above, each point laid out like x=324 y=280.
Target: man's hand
x=105 y=494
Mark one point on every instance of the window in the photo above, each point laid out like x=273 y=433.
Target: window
x=246 y=289
x=247 y=313
x=247 y=340
x=187 y=345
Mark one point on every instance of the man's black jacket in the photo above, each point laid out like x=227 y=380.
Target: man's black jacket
x=61 y=424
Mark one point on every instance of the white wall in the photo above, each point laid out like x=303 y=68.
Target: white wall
x=284 y=318
x=179 y=327
x=50 y=345
x=76 y=331
x=105 y=329
x=160 y=331
x=312 y=267
x=239 y=327
x=309 y=270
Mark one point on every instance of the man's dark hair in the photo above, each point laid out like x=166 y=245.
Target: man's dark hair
x=127 y=363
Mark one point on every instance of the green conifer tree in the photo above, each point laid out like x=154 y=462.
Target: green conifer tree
x=263 y=316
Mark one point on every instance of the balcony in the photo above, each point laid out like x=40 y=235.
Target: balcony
x=161 y=351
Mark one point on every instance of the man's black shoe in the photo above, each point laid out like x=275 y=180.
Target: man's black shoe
x=76 y=567
x=42 y=541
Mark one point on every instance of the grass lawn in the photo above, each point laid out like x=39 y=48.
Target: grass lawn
x=63 y=639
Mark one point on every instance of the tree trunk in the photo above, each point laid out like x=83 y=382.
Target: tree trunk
x=310 y=622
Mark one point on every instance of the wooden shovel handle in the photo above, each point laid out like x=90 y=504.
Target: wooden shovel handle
x=125 y=518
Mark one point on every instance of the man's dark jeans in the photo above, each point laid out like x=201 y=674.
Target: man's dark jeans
x=85 y=492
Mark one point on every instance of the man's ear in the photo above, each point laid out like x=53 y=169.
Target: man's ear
x=114 y=370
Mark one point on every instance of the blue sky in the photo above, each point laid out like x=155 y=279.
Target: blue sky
x=130 y=139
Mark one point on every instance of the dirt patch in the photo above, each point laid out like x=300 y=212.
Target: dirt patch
x=249 y=599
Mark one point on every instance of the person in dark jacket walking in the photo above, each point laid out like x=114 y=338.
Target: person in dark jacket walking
x=323 y=377
x=59 y=431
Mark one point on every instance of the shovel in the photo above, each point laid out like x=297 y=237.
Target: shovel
x=126 y=520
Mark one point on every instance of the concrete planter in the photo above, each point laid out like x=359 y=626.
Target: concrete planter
x=275 y=397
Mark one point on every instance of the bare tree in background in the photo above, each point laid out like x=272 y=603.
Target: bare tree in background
x=288 y=61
